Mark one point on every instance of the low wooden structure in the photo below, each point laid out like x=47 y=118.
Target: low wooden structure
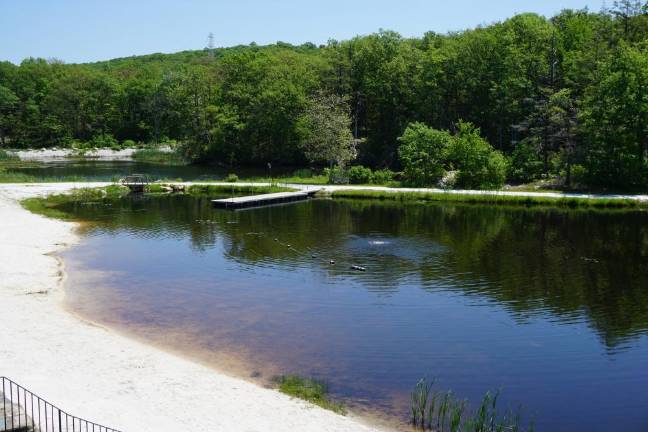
x=262 y=200
x=135 y=182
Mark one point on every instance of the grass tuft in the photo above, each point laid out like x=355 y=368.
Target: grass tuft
x=443 y=412
x=309 y=389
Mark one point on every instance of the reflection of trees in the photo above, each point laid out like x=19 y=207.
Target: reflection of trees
x=569 y=263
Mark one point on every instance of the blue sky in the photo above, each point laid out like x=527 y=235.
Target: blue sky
x=90 y=30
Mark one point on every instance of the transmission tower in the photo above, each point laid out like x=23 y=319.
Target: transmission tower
x=210 y=44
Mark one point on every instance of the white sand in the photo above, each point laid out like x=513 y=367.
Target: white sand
x=104 y=377
x=61 y=154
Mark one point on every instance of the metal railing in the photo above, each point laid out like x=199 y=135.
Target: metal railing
x=23 y=411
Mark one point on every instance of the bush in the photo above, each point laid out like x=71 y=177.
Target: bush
x=525 y=165
x=103 y=141
x=479 y=166
x=383 y=176
x=231 y=178
x=360 y=175
x=422 y=153
x=303 y=173
x=336 y=175
x=578 y=175
x=128 y=144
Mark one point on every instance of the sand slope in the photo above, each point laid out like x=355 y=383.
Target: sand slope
x=96 y=374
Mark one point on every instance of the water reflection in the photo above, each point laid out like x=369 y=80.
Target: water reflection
x=550 y=305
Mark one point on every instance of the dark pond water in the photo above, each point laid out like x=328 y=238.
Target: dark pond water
x=98 y=170
x=549 y=306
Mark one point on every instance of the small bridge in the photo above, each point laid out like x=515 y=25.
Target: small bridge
x=262 y=200
x=23 y=411
x=135 y=182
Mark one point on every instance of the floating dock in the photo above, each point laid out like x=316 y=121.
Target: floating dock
x=262 y=200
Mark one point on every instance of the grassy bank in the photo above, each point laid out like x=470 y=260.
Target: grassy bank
x=50 y=205
x=8 y=163
x=156 y=156
x=494 y=199
x=309 y=389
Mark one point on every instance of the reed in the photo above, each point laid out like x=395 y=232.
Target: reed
x=446 y=413
x=420 y=398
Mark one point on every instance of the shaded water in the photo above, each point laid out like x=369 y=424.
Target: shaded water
x=109 y=170
x=550 y=306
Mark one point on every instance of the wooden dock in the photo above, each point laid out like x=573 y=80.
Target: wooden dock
x=262 y=200
x=135 y=182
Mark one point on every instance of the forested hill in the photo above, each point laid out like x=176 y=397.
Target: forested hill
x=569 y=93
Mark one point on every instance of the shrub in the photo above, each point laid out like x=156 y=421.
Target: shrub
x=578 y=175
x=478 y=164
x=128 y=144
x=303 y=173
x=383 y=176
x=525 y=165
x=336 y=175
x=360 y=175
x=103 y=141
x=422 y=153
x=231 y=178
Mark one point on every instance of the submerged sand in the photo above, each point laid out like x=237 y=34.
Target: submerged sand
x=97 y=374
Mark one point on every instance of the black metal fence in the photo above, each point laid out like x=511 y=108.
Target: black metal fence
x=23 y=411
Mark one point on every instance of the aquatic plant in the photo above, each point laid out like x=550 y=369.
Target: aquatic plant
x=309 y=389
x=450 y=414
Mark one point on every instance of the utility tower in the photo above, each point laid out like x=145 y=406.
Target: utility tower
x=210 y=44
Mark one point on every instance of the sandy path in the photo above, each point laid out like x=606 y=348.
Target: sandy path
x=94 y=373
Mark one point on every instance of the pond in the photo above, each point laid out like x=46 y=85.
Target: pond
x=110 y=170
x=549 y=306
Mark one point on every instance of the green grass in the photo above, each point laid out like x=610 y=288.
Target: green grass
x=8 y=163
x=49 y=206
x=4 y=156
x=314 y=180
x=152 y=155
x=309 y=389
x=596 y=203
x=208 y=190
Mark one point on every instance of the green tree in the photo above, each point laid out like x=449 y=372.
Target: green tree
x=422 y=153
x=615 y=118
x=326 y=131
x=8 y=103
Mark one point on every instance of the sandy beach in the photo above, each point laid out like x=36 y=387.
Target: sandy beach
x=94 y=373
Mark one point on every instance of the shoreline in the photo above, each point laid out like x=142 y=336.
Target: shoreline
x=98 y=374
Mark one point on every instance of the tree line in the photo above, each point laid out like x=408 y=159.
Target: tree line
x=565 y=96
